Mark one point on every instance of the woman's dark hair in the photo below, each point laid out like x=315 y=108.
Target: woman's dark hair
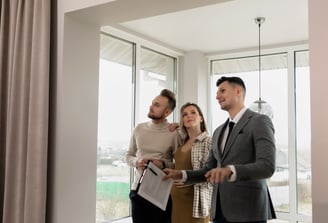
x=203 y=126
x=170 y=96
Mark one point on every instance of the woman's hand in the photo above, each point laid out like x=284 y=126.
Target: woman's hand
x=173 y=126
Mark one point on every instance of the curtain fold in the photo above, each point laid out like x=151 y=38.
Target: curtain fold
x=24 y=108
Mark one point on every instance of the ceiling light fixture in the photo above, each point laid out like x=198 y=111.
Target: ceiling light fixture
x=259 y=105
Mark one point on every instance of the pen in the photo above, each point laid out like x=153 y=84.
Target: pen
x=152 y=170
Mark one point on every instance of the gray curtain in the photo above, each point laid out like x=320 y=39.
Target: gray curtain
x=24 y=109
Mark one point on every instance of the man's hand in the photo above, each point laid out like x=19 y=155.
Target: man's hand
x=218 y=175
x=173 y=174
x=158 y=163
x=142 y=163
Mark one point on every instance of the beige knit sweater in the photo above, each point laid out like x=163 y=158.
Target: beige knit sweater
x=151 y=141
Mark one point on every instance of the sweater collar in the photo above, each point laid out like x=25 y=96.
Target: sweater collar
x=158 y=125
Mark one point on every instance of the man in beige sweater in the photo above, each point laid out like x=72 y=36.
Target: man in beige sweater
x=153 y=141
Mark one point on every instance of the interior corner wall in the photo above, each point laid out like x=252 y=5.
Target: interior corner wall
x=73 y=191
x=194 y=80
x=318 y=33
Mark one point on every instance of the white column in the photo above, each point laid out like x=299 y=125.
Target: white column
x=318 y=31
x=193 y=80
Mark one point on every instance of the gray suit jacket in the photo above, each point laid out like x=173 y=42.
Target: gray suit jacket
x=251 y=149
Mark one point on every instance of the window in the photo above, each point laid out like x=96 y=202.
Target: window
x=125 y=94
x=114 y=126
x=292 y=201
x=157 y=72
x=303 y=133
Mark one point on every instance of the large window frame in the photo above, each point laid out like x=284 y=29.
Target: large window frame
x=166 y=78
x=293 y=215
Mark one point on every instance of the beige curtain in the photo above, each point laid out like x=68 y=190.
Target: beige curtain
x=24 y=109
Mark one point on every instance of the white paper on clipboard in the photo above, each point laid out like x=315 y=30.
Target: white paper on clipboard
x=153 y=188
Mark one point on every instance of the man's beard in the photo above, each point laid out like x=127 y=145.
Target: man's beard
x=224 y=107
x=154 y=117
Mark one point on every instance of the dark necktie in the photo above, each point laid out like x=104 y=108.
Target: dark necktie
x=231 y=124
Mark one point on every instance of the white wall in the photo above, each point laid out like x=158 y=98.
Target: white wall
x=73 y=188
x=318 y=18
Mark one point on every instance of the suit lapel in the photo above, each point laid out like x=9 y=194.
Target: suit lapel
x=219 y=142
x=217 y=139
x=236 y=130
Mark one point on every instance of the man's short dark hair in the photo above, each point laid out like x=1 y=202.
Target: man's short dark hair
x=170 y=96
x=231 y=80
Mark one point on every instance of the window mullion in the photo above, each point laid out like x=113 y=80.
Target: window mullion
x=292 y=136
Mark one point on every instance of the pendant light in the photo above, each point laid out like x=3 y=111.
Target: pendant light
x=260 y=105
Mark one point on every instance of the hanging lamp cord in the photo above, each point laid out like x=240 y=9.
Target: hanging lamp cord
x=260 y=61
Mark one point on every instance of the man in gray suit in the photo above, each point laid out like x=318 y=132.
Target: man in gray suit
x=239 y=162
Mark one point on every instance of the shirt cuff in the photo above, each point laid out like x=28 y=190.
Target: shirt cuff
x=184 y=176
x=233 y=176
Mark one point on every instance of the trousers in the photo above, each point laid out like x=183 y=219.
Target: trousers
x=144 y=211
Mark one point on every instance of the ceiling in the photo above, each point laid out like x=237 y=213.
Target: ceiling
x=227 y=26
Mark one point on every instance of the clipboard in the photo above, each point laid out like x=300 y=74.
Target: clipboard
x=152 y=188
